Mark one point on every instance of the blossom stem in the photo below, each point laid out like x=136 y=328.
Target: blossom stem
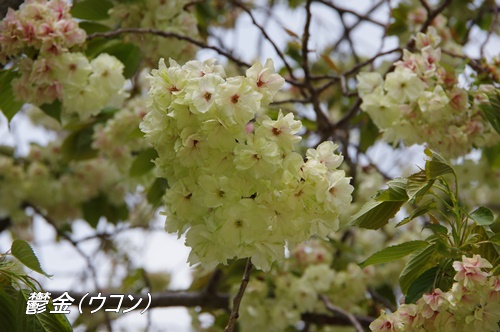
x=237 y=299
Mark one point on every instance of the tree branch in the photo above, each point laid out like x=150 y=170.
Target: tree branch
x=164 y=34
x=339 y=311
x=237 y=299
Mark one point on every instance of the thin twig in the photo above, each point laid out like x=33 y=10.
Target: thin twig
x=339 y=311
x=237 y=299
x=165 y=34
x=266 y=36
x=88 y=260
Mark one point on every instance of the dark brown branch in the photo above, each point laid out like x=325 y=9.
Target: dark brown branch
x=324 y=125
x=339 y=311
x=164 y=34
x=361 y=17
x=231 y=324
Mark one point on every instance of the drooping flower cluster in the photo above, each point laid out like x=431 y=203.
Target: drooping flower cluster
x=38 y=38
x=44 y=26
x=277 y=302
x=237 y=187
x=168 y=16
x=472 y=304
x=422 y=102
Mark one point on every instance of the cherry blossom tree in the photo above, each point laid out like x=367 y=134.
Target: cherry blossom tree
x=288 y=172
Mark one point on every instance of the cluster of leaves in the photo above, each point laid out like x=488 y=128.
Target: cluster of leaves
x=456 y=231
x=15 y=289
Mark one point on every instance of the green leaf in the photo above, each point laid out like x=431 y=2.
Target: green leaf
x=418 y=185
x=91 y=27
x=495 y=239
x=420 y=211
x=374 y=215
x=127 y=53
x=436 y=228
x=53 y=110
x=78 y=145
x=482 y=216
x=393 y=253
x=9 y=106
x=419 y=262
x=43 y=322
x=100 y=206
x=7 y=312
x=491 y=111
x=395 y=193
x=492 y=154
x=157 y=191
x=486 y=250
x=369 y=132
x=23 y=252
x=423 y=284
x=93 y=10
x=437 y=166
x=143 y=163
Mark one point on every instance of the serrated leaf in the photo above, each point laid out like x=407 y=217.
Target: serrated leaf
x=419 y=262
x=143 y=163
x=93 y=10
x=420 y=211
x=418 y=185
x=53 y=110
x=437 y=166
x=9 y=106
x=157 y=191
x=374 y=215
x=23 y=252
x=491 y=111
x=393 y=253
x=482 y=216
x=423 y=284
x=395 y=193
x=436 y=228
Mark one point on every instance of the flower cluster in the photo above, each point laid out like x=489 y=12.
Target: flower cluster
x=37 y=38
x=84 y=87
x=422 y=102
x=44 y=26
x=60 y=189
x=167 y=16
x=472 y=304
x=238 y=187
